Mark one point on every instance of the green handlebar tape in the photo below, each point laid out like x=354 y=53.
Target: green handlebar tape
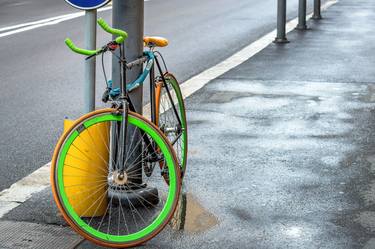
x=78 y=50
x=122 y=35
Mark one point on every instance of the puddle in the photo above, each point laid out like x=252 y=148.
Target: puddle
x=192 y=217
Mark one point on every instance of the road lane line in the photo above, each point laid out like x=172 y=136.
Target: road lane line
x=44 y=22
x=37 y=22
x=22 y=190
x=11 y=30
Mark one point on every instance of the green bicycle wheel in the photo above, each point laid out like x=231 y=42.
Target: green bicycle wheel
x=104 y=208
x=172 y=121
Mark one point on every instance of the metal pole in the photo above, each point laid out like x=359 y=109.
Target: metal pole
x=302 y=15
x=129 y=15
x=90 y=43
x=281 y=22
x=317 y=5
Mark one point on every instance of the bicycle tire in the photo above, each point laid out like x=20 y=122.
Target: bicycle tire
x=181 y=146
x=79 y=223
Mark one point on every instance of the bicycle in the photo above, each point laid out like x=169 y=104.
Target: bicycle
x=103 y=174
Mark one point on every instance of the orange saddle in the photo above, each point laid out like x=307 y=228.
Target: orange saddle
x=155 y=41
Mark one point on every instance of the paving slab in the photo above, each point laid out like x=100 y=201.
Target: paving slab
x=31 y=235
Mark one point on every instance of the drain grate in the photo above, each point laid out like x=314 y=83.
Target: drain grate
x=31 y=235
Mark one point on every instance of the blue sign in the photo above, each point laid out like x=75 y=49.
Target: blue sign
x=87 y=4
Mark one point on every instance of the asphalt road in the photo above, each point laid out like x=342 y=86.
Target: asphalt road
x=14 y=12
x=41 y=81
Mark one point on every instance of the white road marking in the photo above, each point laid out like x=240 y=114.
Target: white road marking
x=11 y=30
x=22 y=190
x=44 y=22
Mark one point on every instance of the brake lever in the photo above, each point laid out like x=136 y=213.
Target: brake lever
x=112 y=46
x=89 y=57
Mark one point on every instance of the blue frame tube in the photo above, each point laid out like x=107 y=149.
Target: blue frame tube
x=140 y=80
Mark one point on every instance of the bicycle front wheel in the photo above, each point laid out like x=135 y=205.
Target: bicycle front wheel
x=100 y=205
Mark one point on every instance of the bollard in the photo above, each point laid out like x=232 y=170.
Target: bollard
x=90 y=43
x=281 y=22
x=317 y=5
x=302 y=15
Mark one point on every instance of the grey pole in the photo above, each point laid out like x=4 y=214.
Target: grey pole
x=302 y=15
x=128 y=15
x=317 y=5
x=90 y=43
x=281 y=22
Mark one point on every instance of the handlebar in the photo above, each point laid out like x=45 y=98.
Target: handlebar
x=78 y=50
x=122 y=35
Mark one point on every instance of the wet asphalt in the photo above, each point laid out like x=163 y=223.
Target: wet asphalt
x=282 y=147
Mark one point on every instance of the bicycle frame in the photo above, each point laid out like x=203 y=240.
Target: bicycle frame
x=149 y=70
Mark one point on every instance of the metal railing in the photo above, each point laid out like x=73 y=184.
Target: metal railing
x=302 y=12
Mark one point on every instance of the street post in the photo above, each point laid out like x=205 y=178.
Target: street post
x=90 y=65
x=281 y=22
x=317 y=10
x=129 y=16
x=90 y=7
x=302 y=9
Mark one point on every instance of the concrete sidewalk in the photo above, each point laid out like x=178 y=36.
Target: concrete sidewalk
x=281 y=148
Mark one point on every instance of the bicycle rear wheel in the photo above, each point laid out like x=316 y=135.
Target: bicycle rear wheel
x=172 y=121
x=102 y=207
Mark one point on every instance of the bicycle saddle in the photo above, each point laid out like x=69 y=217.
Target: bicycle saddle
x=155 y=41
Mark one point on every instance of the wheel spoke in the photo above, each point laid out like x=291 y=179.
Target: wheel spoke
x=103 y=205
